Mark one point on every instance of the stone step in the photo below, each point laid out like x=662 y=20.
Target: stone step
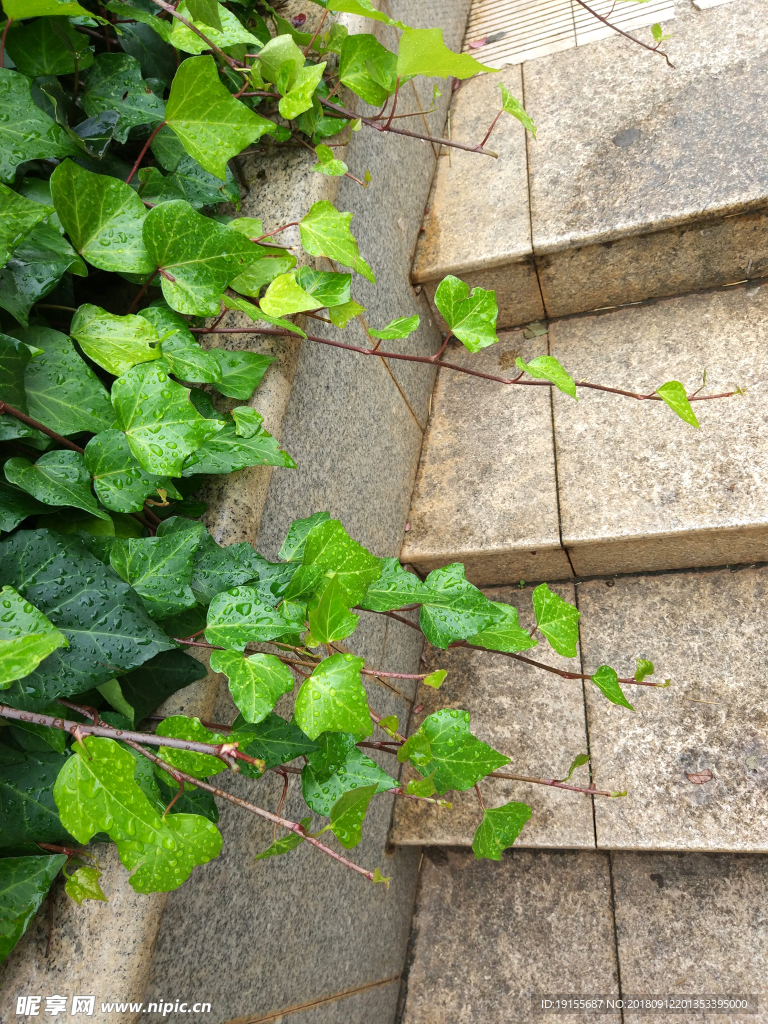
x=703 y=631
x=518 y=483
x=643 y=181
x=489 y=940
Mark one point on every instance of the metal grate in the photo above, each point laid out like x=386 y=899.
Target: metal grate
x=520 y=30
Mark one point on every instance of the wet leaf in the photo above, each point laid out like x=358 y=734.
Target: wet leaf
x=26 y=133
x=275 y=741
x=557 y=620
x=367 y=68
x=227 y=33
x=285 y=845
x=227 y=452
x=239 y=616
x=548 y=368
x=256 y=683
x=348 y=814
x=57 y=478
x=181 y=727
x=394 y=588
x=296 y=538
x=329 y=545
x=298 y=98
x=326 y=232
x=17 y=218
x=456 y=609
x=119 y=481
x=504 y=633
x=333 y=699
x=115 y=342
x=83 y=884
x=470 y=316
x=327 y=162
x=607 y=680
x=398 y=328
x=516 y=109
x=27 y=809
x=329 y=616
x=26 y=637
x=457 y=758
x=24 y=883
x=159 y=569
x=499 y=829
x=356 y=772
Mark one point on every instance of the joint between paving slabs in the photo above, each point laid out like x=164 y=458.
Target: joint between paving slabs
x=528 y=143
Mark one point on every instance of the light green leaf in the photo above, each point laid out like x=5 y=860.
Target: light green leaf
x=128 y=11
x=285 y=296
x=205 y=12
x=256 y=683
x=37 y=265
x=329 y=545
x=17 y=218
x=24 y=883
x=516 y=109
x=458 y=758
x=296 y=538
x=417 y=750
x=83 y=884
x=389 y=724
x=253 y=311
x=57 y=478
x=97 y=793
x=239 y=616
x=248 y=422
x=159 y=569
x=367 y=68
x=115 y=342
x=195 y=255
x=329 y=616
x=213 y=126
x=326 y=232
x=577 y=762
x=504 y=633
x=471 y=317
x=348 y=814
x=607 y=680
x=423 y=52
x=26 y=133
x=357 y=770
x=226 y=452
x=394 y=588
x=435 y=679
x=456 y=610
x=48 y=46
x=285 y=845
x=674 y=395
x=341 y=315
x=230 y=33
x=421 y=787
x=115 y=83
x=548 y=368
x=333 y=699
x=299 y=96
x=181 y=727
x=119 y=481
x=557 y=620
x=160 y=422
x=398 y=328
x=252 y=280
x=365 y=9
x=26 y=637
x=180 y=350
x=17 y=9
x=103 y=218
x=644 y=668
x=499 y=829
x=327 y=162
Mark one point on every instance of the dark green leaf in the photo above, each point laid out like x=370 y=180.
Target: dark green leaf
x=332 y=699
x=285 y=845
x=148 y=686
x=504 y=633
x=17 y=218
x=417 y=750
x=159 y=569
x=24 y=883
x=16 y=505
x=607 y=680
x=458 y=758
x=14 y=357
x=356 y=771
x=241 y=372
x=57 y=478
x=145 y=43
x=675 y=396
x=26 y=133
x=394 y=588
x=118 y=479
x=327 y=288
x=296 y=538
x=329 y=545
x=548 y=368
x=499 y=829
x=304 y=583
x=221 y=568
x=115 y=83
x=470 y=316
x=275 y=741
x=48 y=46
x=34 y=270
x=226 y=452
x=348 y=814
x=239 y=616
x=27 y=808
x=331 y=751
x=188 y=181
x=191 y=801
x=256 y=683
x=557 y=620
x=326 y=232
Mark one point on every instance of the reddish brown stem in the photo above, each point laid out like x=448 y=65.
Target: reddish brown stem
x=141 y=292
x=170 y=9
x=22 y=416
x=173 y=801
x=550 y=668
x=317 y=32
x=268 y=234
x=70 y=851
x=144 y=149
x=551 y=782
x=645 y=46
x=493 y=125
x=479 y=796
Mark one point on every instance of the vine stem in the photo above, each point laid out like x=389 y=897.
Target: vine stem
x=170 y=9
x=563 y=673
x=556 y=783
x=292 y=826
x=645 y=46
x=22 y=416
x=317 y=32
x=431 y=361
x=78 y=729
x=142 y=153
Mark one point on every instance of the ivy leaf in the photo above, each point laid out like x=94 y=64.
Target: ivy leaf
x=145 y=689
x=264 y=271
x=458 y=759
x=27 y=809
x=98 y=793
x=159 y=569
x=417 y=750
x=115 y=83
x=115 y=342
x=423 y=52
x=256 y=314
x=16 y=505
x=356 y=771
x=119 y=481
x=191 y=801
x=26 y=637
x=327 y=162
x=285 y=845
x=62 y=390
x=285 y=296
x=296 y=538
x=364 y=8
x=83 y=884
x=228 y=32
x=557 y=620
x=470 y=316
x=180 y=350
x=181 y=727
x=57 y=478
x=548 y=368
x=435 y=679
x=674 y=395
x=247 y=421
x=348 y=814
x=18 y=9
x=333 y=699
x=499 y=829
x=644 y=668
x=17 y=218
x=330 y=618
x=504 y=633
x=24 y=884
x=299 y=97
x=325 y=232
x=213 y=126
x=516 y=109
x=130 y=11
x=239 y=616
x=14 y=357
x=48 y=46
x=226 y=452
x=35 y=268
x=275 y=741
x=196 y=255
x=394 y=588
x=256 y=683
x=398 y=328
x=26 y=133
x=456 y=610
x=103 y=218
x=108 y=630
x=607 y=680
x=421 y=787
x=280 y=59
x=240 y=372
x=215 y=568
x=577 y=762
x=188 y=181
x=329 y=545
x=157 y=417
x=367 y=68
x=326 y=287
